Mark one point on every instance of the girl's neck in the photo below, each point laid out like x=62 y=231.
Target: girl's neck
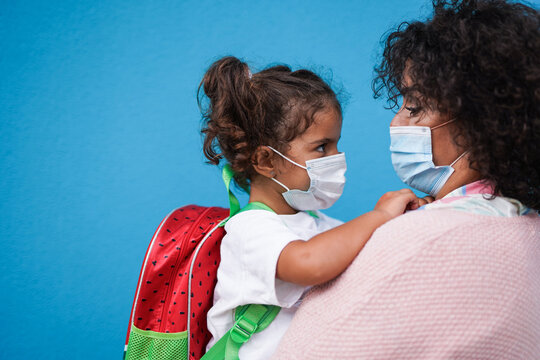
x=264 y=190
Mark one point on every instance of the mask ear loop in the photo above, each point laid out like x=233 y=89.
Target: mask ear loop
x=286 y=158
x=459 y=157
x=443 y=124
x=280 y=183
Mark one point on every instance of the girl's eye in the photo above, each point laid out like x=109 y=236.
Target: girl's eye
x=413 y=109
x=321 y=148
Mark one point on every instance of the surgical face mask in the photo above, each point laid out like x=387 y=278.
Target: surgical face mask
x=327 y=179
x=412 y=158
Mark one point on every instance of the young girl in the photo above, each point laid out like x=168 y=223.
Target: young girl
x=279 y=131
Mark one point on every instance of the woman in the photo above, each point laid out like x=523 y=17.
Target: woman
x=459 y=278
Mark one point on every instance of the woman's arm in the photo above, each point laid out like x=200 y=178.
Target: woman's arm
x=328 y=254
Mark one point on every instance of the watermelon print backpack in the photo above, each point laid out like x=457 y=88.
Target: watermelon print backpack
x=176 y=286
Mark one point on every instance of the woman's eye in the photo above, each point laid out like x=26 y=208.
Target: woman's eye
x=321 y=148
x=413 y=109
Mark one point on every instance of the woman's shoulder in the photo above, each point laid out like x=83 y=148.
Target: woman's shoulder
x=447 y=234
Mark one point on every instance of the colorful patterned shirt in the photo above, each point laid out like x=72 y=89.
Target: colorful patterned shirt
x=477 y=198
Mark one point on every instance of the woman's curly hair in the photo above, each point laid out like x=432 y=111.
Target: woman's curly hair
x=245 y=111
x=478 y=61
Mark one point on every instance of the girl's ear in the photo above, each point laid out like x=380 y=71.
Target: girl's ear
x=263 y=162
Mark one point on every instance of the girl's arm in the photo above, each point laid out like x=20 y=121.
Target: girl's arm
x=328 y=254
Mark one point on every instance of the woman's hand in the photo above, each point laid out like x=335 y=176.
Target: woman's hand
x=395 y=203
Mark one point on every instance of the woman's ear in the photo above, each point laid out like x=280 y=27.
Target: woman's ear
x=263 y=162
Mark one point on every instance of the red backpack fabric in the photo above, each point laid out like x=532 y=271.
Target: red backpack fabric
x=168 y=300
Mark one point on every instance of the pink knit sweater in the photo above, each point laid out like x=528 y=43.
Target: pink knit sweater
x=438 y=284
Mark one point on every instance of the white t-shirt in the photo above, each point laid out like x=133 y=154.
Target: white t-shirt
x=247 y=273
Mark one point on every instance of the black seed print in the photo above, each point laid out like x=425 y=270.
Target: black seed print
x=182 y=313
x=173 y=323
x=187 y=217
x=162 y=301
x=193 y=315
x=167 y=331
x=158 y=320
x=177 y=248
x=203 y=233
x=151 y=310
x=148 y=282
x=192 y=276
x=154 y=262
x=200 y=227
x=166 y=284
x=161 y=245
x=209 y=253
x=207 y=292
x=191 y=294
x=192 y=353
x=155 y=291
x=185 y=233
x=180 y=274
x=143 y=299
x=174 y=303
x=183 y=293
x=200 y=304
x=147 y=328
x=168 y=230
x=170 y=312
x=208 y=273
x=197 y=341
x=160 y=275
x=192 y=335
x=186 y=257
x=200 y=283
x=172 y=266
x=193 y=241
x=139 y=318
x=215 y=262
x=185 y=273
x=199 y=264
x=173 y=240
x=166 y=256
x=175 y=219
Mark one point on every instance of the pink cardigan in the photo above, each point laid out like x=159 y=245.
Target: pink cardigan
x=439 y=284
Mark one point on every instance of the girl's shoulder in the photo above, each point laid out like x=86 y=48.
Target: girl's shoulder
x=254 y=223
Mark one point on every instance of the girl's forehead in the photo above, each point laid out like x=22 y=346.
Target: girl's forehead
x=326 y=124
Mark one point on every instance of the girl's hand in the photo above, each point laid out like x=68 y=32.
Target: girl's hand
x=394 y=203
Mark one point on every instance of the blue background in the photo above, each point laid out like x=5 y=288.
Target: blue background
x=99 y=139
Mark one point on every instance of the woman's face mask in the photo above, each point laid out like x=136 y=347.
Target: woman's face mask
x=412 y=158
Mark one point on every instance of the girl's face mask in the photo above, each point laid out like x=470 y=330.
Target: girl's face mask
x=412 y=158
x=327 y=180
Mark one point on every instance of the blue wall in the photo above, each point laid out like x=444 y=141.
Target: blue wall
x=99 y=140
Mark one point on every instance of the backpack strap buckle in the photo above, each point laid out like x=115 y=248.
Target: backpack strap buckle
x=242 y=330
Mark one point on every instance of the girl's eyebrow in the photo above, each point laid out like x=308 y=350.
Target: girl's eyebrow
x=323 y=140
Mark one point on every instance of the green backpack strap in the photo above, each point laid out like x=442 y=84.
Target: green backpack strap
x=250 y=319
x=234 y=204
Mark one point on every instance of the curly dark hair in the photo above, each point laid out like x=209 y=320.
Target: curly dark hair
x=479 y=62
x=245 y=111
